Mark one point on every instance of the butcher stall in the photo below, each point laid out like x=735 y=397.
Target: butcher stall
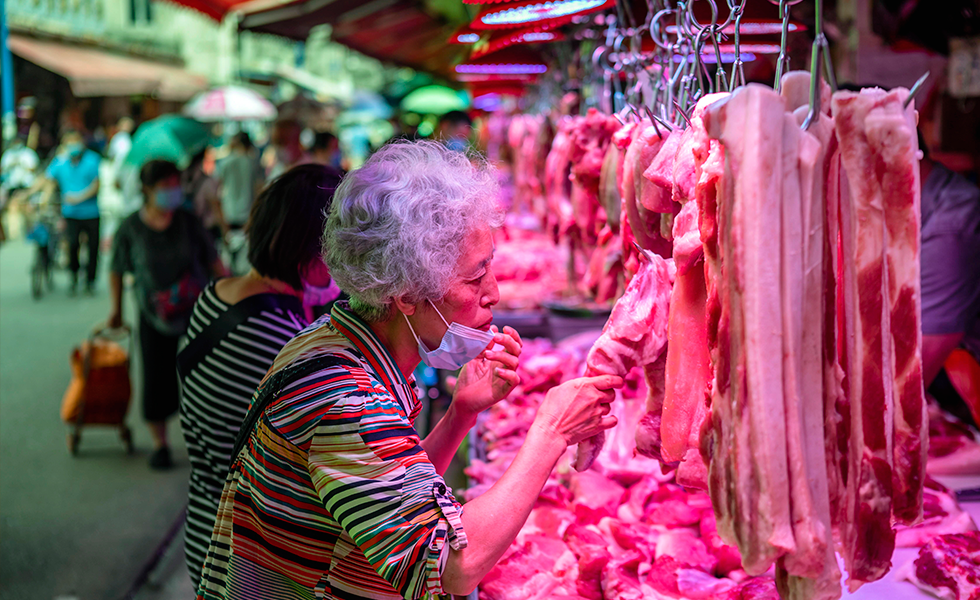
x=740 y=241
x=746 y=254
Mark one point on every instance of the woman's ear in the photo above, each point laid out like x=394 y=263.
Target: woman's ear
x=403 y=305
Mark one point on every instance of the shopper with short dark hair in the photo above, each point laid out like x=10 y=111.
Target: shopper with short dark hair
x=171 y=258
x=239 y=325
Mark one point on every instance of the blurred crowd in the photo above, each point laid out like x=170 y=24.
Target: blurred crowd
x=173 y=206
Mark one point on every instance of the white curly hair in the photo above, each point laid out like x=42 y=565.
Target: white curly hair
x=397 y=224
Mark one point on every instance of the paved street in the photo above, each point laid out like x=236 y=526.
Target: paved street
x=80 y=527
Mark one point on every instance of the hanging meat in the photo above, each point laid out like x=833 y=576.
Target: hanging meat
x=634 y=336
x=637 y=190
x=688 y=369
x=779 y=343
x=880 y=240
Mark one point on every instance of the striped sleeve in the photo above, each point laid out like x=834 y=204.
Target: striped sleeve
x=368 y=467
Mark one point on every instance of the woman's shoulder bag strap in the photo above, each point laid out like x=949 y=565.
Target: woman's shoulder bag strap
x=191 y=356
x=271 y=390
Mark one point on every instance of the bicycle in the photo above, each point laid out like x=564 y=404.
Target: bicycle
x=44 y=232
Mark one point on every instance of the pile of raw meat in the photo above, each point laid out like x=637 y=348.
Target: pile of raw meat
x=770 y=298
x=530 y=268
x=623 y=529
x=948 y=567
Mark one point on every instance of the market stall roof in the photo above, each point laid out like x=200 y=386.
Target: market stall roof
x=399 y=31
x=93 y=72
x=546 y=32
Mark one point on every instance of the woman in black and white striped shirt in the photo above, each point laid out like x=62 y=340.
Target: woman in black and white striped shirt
x=238 y=326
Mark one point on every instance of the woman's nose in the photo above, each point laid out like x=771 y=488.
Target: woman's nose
x=491 y=295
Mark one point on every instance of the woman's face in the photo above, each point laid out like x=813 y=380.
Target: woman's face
x=167 y=194
x=470 y=298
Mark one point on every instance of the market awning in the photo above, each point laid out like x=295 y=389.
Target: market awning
x=92 y=72
x=399 y=31
x=341 y=88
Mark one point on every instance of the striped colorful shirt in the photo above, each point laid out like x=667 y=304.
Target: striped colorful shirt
x=333 y=495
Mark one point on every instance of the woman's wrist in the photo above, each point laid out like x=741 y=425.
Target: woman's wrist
x=460 y=417
x=544 y=436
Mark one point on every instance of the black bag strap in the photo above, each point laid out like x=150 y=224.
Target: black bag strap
x=191 y=356
x=270 y=391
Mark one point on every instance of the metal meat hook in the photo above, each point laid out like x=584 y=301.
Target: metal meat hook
x=782 y=63
x=816 y=56
x=682 y=113
x=915 y=89
x=738 y=69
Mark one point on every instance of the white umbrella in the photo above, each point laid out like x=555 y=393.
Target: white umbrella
x=230 y=103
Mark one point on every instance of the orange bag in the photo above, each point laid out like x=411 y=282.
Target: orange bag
x=100 y=389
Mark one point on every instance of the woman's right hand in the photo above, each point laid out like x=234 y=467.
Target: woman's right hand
x=579 y=408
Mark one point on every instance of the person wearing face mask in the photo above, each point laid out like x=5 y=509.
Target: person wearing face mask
x=171 y=258
x=331 y=492
x=455 y=128
x=75 y=173
x=238 y=326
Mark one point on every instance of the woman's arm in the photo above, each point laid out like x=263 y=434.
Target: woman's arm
x=444 y=439
x=115 y=299
x=570 y=413
x=483 y=382
x=91 y=191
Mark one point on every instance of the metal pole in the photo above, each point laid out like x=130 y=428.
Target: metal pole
x=9 y=118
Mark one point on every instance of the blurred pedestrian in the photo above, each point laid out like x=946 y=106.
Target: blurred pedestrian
x=120 y=144
x=202 y=194
x=454 y=129
x=27 y=125
x=18 y=166
x=171 y=259
x=326 y=150
x=285 y=149
x=238 y=326
x=18 y=171
x=75 y=173
x=237 y=179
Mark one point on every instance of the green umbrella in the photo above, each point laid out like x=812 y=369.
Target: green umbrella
x=435 y=100
x=171 y=137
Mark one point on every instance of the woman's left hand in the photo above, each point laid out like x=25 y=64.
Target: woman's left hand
x=488 y=378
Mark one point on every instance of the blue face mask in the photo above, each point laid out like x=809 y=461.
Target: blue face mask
x=169 y=198
x=314 y=295
x=75 y=150
x=456 y=144
x=459 y=345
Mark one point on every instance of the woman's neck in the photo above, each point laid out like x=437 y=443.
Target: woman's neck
x=399 y=341
x=272 y=285
x=155 y=218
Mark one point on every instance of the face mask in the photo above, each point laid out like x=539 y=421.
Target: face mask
x=459 y=345
x=169 y=198
x=320 y=296
x=75 y=150
x=456 y=144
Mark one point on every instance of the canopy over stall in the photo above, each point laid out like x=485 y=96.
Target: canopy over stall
x=93 y=72
x=399 y=31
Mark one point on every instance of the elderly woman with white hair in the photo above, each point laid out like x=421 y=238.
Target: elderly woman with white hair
x=332 y=493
